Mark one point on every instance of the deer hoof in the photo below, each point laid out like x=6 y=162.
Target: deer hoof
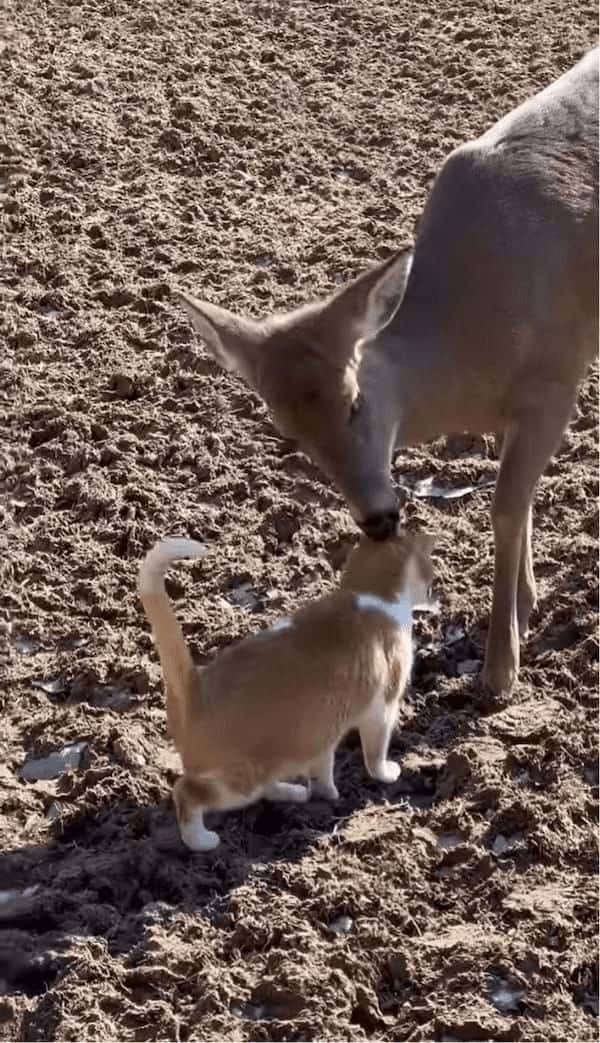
x=524 y=616
x=498 y=680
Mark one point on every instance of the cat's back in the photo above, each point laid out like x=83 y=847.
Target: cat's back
x=295 y=682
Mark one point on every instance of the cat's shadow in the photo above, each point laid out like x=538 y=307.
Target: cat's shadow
x=118 y=868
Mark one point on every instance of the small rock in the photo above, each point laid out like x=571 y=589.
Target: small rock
x=500 y=845
x=523 y=778
x=54 y=812
x=53 y=766
x=341 y=925
x=27 y=645
x=507 y=998
x=249 y=1011
x=245 y=596
x=453 y=634
x=504 y=844
x=51 y=687
x=114 y=698
x=448 y=841
x=75 y=641
x=431 y=607
x=430 y=488
x=14 y=893
x=157 y=912
x=263 y=261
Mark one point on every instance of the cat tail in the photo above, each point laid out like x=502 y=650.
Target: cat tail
x=174 y=654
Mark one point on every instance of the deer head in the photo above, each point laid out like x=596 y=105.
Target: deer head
x=326 y=382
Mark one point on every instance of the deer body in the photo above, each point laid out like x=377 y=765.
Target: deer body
x=488 y=326
x=503 y=288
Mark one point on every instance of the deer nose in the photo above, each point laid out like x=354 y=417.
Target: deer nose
x=381 y=526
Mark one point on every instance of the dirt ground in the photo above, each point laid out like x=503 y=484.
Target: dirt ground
x=260 y=153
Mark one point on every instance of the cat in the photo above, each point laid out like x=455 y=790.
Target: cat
x=276 y=705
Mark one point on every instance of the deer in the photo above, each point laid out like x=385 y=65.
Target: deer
x=486 y=325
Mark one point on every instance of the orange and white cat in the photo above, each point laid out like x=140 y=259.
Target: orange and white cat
x=275 y=706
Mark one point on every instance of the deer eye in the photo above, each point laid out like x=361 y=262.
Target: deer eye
x=355 y=407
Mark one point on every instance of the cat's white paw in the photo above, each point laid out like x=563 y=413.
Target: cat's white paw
x=198 y=838
x=194 y=833
x=294 y=792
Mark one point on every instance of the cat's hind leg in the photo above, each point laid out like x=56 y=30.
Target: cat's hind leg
x=321 y=776
x=286 y=791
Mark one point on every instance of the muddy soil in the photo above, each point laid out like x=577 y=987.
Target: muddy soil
x=261 y=153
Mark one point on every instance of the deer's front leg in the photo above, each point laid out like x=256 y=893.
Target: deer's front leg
x=526 y=588
x=502 y=652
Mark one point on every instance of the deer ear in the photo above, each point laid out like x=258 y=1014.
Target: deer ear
x=387 y=291
x=233 y=341
x=370 y=301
